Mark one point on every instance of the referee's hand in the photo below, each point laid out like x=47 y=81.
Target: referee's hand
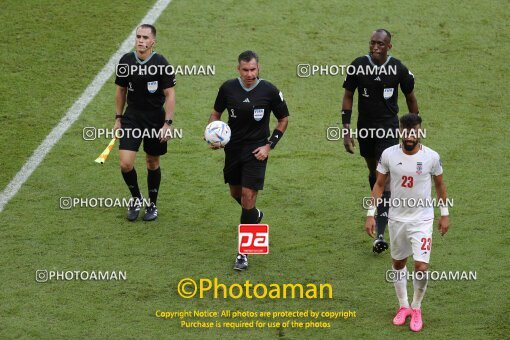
x=261 y=152
x=215 y=145
x=165 y=133
x=349 y=143
x=117 y=125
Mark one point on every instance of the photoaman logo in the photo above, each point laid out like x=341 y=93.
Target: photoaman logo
x=253 y=239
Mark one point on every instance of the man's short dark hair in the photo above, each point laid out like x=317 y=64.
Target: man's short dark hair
x=383 y=30
x=152 y=28
x=248 y=56
x=410 y=120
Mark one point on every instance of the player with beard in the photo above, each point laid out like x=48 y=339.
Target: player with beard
x=412 y=167
x=377 y=108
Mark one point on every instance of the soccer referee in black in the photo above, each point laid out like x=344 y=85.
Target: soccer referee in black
x=150 y=98
x=377 y=109
x=249 y=101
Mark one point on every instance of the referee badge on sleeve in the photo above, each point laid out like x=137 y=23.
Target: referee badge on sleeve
x=388 y=93
x=152 y=86
x=258 y=114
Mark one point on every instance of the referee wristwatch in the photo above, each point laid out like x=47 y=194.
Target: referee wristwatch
x=168 y=121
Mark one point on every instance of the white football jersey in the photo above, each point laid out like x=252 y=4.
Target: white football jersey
x=411 y=182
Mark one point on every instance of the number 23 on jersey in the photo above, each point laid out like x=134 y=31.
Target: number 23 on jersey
x=407 y=181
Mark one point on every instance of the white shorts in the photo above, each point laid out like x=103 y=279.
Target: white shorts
x=411 y=238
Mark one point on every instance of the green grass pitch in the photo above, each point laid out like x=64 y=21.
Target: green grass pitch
x=312 y=200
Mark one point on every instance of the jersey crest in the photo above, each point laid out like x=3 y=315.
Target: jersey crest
x=258 y=114
x=152 y=86
x=388 y=93
x=419 y=167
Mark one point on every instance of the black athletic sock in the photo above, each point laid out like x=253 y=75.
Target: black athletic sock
x=249 y=216
x=131 y=180
x=153 y=181
x=382 y=214
x=371 y=180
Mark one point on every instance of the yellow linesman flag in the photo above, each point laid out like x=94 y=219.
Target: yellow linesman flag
x=104 y=155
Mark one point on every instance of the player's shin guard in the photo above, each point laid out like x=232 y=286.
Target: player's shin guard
x=420 y=286
x=249 y=216
x=382 y=213
x=371 y=181
x=153 y=181
x=131 y=180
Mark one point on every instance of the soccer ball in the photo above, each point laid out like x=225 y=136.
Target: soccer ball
x=217 y=132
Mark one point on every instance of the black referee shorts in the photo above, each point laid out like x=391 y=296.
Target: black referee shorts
x=374 y=147
x=135 y=132
x=242 y=168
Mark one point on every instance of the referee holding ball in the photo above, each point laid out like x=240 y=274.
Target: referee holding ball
x=249 y=101
x=150 y=98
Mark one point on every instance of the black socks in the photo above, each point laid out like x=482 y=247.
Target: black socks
x=249 y=216
x=131 y=180
x=153 y=181
x=381 y=221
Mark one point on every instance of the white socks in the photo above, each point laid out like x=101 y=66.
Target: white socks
x=420 y=286
x=401 y=287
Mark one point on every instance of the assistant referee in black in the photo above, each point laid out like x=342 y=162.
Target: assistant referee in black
x=377 y=109
x=249 y=101
x=148 y=117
